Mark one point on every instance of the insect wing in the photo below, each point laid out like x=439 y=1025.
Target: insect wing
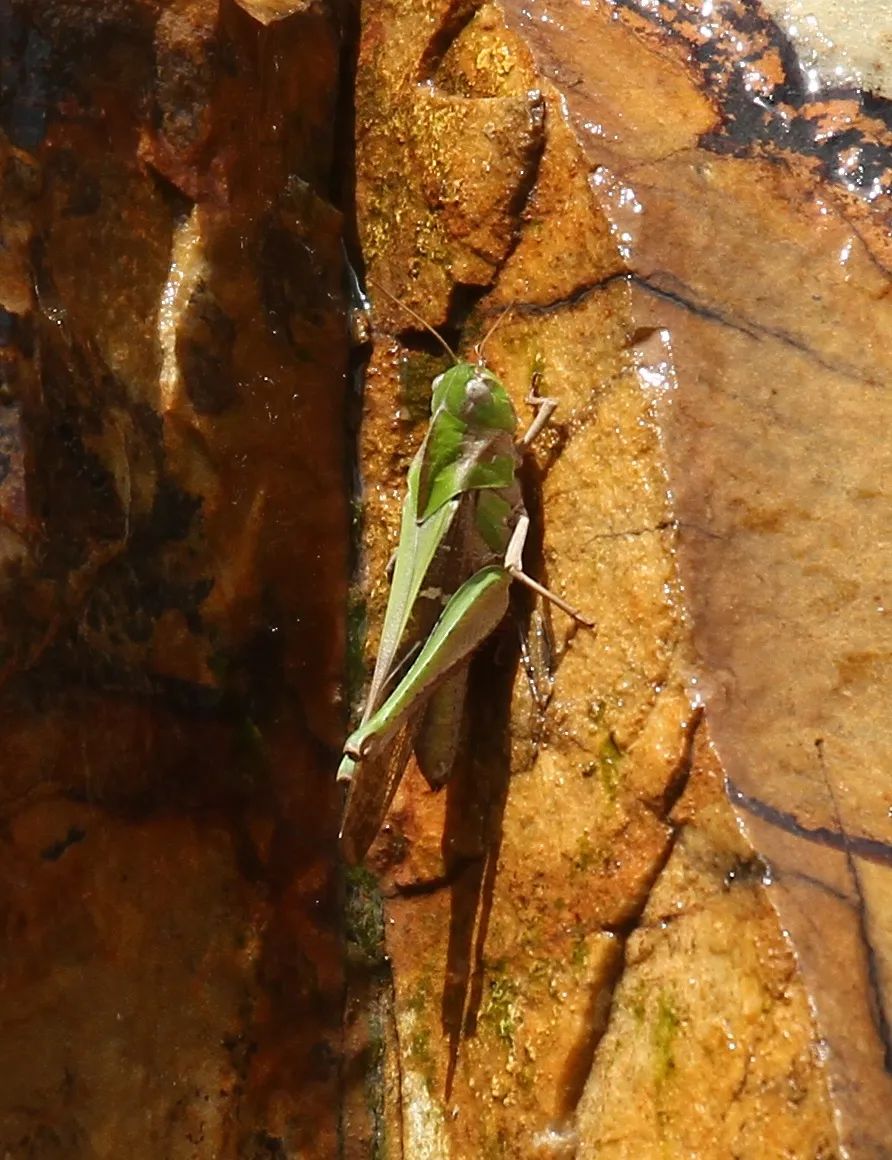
x=371 y=791
x=471 y=614
x=439 y=733
x=384 y=743
x=418 y=545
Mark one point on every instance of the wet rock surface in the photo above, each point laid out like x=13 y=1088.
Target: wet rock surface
x=173 y=441
x=696 y=269
x=780 y=494
x=584 y=945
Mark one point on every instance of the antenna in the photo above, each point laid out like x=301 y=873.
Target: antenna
x=478 y=348
x=414 y=314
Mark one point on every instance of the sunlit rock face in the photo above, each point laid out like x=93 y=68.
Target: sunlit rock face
x=594 y=951
x=838 y=44
x=173 y=543
x=648 y=915
x=761 y=250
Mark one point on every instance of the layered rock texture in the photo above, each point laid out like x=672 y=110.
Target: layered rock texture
x=648 y=916
x=693 y=250
x=174 y=554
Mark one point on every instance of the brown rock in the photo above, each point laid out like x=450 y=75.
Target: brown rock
x=575 y=949
x=174 y=548
x=586 y=955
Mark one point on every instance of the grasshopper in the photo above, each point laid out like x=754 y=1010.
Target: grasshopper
x=461 y=542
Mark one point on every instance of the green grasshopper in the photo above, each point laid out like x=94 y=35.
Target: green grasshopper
x=461 y=544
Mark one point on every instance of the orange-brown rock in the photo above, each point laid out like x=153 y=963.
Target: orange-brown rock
x=584 y=946
x=589 y=956
x=173 y=552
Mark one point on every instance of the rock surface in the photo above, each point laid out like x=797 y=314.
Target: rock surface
x=581 y=947
x=173 y=440
x=587 y=953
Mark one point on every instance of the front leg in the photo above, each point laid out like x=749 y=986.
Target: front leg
x=546 y=409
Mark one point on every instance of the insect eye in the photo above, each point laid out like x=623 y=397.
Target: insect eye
x=476 y=390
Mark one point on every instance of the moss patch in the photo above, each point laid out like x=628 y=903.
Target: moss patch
x=665 y=1030
x=363 y=919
